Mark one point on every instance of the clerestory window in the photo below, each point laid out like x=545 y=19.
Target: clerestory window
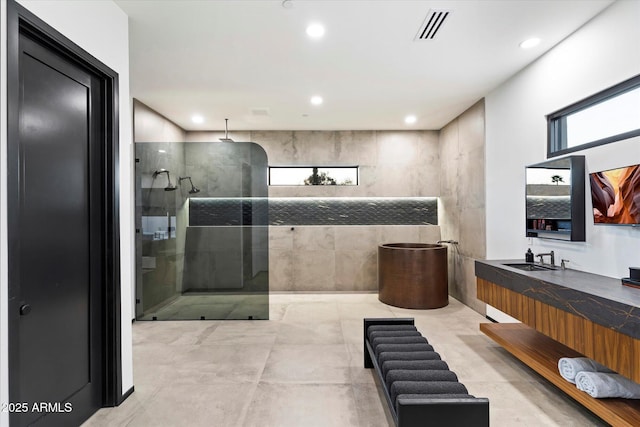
x=313 y=175
x=608 y=116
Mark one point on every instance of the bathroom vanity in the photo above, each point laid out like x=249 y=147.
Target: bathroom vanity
x=566 y=313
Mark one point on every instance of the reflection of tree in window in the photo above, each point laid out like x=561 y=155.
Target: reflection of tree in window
x=556 y=179
x=319 y=178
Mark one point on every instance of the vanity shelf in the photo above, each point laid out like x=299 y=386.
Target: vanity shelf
x=542 y=353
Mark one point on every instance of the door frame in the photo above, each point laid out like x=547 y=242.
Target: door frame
x=21 y=21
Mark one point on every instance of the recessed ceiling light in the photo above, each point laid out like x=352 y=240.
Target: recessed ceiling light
x=315 y=31
x=316 y=100
x=162 y=151
x=410 y=120
x=529 y=43
x=197 y=119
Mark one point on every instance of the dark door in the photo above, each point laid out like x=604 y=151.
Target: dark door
x=57 y=264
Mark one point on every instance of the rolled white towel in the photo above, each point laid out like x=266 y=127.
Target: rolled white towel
x=601 y=384
x=570 y=366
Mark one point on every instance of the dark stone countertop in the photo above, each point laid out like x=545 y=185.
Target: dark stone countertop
x=601 y=299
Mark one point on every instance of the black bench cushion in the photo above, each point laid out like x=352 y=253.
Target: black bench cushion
x=377 y=334
x=401 y=348
x=423 y=363
x=388 y=356
x=435 y=396
x=431 y=397
x=373 y=328
x=425 y=387
x=419 y=375
x=398 y=340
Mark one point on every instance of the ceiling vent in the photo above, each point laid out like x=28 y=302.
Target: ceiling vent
x=432 y=24
x=259 y=111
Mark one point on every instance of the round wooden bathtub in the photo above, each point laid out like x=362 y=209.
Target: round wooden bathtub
x=413 y=275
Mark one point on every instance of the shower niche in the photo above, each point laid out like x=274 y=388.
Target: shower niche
x=202 y=231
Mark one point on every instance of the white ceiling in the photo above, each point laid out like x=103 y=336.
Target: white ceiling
x=224 y=59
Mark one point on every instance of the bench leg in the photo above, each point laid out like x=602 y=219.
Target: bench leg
x=368 y=363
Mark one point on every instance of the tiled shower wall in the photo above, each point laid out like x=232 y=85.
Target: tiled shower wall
x=327 y=244
x=225 y=211
x=344 y=258
x=391 y=163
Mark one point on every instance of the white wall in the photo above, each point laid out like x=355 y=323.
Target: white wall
x=100 y=28
x=605 y=51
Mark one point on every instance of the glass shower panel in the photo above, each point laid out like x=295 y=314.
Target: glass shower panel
x=203 y=246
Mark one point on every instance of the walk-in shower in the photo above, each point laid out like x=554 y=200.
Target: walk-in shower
x=202 y=251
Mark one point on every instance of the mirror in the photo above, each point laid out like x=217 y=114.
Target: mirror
x=555 y=199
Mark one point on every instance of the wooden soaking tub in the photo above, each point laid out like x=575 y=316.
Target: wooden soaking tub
x=413 y=275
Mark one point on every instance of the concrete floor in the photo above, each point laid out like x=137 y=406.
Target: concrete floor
x=304 y=367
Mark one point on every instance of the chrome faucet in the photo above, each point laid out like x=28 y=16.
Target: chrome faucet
x=453 y=242
x=563 y=264
x=551 y=254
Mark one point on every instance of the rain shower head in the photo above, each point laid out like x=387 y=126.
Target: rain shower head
x=193 y=190
x=226 y=132
x=170 y=186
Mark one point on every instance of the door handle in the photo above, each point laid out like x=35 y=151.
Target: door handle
x=25 y=309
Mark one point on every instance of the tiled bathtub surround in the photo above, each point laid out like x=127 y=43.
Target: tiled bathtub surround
x=334 y=258
x=314 y=211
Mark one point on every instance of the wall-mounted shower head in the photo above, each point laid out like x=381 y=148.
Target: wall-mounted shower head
x=193 y=190
x=170 y=186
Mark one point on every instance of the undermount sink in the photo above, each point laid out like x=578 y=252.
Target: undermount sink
x=531 y=267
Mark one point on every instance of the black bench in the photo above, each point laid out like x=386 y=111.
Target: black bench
x=419 y=387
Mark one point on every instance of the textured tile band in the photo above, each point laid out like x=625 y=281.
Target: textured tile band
x=313 y=211
x=548 y=207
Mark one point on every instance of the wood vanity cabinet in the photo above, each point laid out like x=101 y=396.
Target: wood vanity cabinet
x=548 y=333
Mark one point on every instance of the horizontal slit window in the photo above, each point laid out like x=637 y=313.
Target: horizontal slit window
x=608 y=116
x=313 y=175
